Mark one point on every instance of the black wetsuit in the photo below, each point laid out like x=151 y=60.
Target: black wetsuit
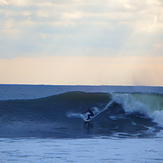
x=91 y=114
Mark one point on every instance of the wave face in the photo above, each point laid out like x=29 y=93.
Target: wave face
x=58 y=116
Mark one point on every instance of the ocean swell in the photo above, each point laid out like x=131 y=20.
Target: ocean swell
x=59 y=115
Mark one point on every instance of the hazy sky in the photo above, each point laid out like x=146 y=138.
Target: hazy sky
x=111 y=42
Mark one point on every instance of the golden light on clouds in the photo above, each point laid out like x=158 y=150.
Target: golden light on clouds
x=83 y=71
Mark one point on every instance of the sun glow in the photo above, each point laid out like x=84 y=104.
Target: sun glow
x=83 y=71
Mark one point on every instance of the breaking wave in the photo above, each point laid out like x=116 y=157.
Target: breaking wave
x=58 y=116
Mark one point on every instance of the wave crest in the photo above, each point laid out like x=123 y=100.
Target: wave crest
x=58 y=115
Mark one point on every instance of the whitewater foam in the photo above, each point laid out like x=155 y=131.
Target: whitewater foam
x=157 y=116
x=148 y=104
x=70 y=115
x=102 y=149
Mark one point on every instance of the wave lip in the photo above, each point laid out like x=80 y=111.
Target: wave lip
x=149 y=104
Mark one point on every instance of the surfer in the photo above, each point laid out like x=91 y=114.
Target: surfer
x=90 y=113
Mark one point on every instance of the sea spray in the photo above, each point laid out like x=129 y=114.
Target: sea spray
x=147 y=104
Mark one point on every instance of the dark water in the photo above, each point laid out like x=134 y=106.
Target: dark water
x=48 y=117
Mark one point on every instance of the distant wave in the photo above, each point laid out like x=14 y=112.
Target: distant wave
x=135 y=114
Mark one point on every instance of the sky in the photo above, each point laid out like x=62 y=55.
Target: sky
x=77 y=42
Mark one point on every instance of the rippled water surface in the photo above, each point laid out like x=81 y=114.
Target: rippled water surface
x=81 y=150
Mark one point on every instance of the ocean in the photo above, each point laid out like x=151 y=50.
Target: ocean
x=42 y=124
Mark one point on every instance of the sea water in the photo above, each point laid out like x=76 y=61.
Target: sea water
x=81 y=150
x=133 y=134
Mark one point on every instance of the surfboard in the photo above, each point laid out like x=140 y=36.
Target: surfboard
x=84 y=116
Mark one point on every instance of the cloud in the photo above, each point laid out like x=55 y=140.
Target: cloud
x=72 y=27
